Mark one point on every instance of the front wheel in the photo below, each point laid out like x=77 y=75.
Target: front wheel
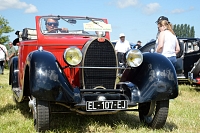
x=154 y=114
x=41 y=115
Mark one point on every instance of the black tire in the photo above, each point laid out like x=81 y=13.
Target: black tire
x=158 y=117
x=41 y=116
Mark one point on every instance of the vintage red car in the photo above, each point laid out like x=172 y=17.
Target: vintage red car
x=75 y=66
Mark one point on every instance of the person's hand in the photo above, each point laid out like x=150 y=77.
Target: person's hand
x=7 y=58
x=55 y=30
x=64 y=30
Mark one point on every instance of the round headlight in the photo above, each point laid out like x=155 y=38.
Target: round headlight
x=72 y=56
x=134 y=58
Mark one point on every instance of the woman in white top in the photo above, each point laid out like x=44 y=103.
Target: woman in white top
x=167 y=43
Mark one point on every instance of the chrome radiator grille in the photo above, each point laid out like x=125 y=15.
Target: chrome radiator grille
x=99 y=54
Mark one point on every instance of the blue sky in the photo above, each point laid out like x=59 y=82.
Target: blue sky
x=135 y=18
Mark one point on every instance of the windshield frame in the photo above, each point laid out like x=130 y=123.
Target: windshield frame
x=71 y=32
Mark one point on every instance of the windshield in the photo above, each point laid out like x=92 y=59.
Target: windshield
x=74 y=25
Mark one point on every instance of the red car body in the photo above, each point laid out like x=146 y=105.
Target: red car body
x=78 y=70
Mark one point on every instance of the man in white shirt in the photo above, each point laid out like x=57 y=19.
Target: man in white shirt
x=121 y=47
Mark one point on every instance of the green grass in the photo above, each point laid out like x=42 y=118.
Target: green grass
x=184 y=116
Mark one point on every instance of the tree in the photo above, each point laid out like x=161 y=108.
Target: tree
x=4 y=28
x=192 y=32
x=184 y=30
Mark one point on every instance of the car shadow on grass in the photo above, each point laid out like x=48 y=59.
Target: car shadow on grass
x=196 y=88
x=71 y=122
x=22 y=107
x=84 y=123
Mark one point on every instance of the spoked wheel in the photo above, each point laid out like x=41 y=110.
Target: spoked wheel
x=154 y=114
x=41 y=115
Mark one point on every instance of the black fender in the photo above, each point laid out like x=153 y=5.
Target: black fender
x=13 y=75
x=155 y=78
x=47 y=80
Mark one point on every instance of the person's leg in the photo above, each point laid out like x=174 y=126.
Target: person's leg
x=1 y=67
x=9 y=61
x=173 y=60
x=120 y=57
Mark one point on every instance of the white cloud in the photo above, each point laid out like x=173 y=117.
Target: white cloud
x=178 y=11
x=17 y=4
x=31 y=9
x=126 y=3
x=151 y=8
x=175 y=11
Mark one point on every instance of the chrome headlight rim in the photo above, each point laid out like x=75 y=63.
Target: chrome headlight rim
x=134 y=58
x=72 y=56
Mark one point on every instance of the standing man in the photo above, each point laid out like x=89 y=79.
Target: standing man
x=3 y=57
x=11 y=53
x=138 y=45
x=121 y=47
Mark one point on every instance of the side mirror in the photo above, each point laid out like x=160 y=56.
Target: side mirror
x=71 y=21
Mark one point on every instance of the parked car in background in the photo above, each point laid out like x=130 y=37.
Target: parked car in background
x=76 y=71
x=188 y=59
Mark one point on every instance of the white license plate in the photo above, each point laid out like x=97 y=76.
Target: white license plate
x=106 y=105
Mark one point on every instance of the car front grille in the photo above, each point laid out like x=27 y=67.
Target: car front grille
x=99 y=54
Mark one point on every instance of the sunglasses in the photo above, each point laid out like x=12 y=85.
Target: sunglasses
x=52 y=23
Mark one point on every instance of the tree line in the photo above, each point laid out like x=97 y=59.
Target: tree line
x=184 y=30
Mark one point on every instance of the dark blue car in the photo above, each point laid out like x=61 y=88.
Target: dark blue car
x=188 y=59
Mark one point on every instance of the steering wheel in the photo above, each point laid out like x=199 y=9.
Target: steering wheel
x=55 y=30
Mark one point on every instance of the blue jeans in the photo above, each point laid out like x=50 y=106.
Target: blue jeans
x=173 y=60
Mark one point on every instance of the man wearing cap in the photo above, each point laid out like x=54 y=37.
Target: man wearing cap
x=121 y=47
x=138 y=45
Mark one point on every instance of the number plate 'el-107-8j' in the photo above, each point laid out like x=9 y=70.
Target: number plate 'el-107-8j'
x=106 y=105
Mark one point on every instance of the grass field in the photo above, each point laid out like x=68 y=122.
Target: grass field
x=184 y=116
